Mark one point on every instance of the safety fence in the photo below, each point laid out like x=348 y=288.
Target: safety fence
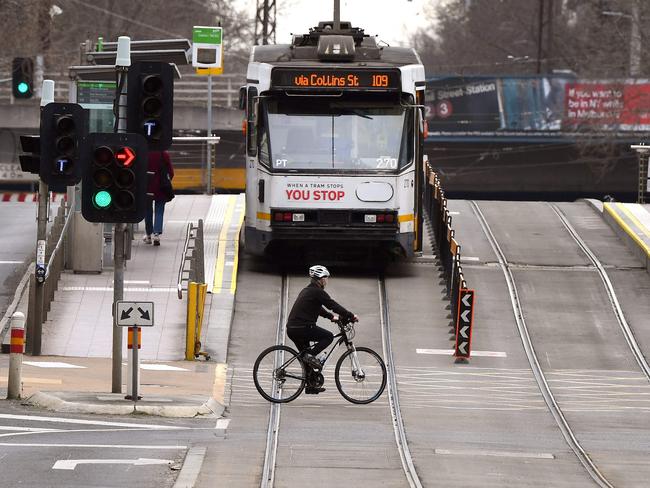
x=461 y=298
x=191 y=272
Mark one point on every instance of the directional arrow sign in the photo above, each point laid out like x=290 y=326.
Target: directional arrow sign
x=72 y=463
x=134 y=314
x=464 y=323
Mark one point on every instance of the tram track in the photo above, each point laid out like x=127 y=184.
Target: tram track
x=393 y=395
x=273 y=430
x=611 y=292
x=538 y=373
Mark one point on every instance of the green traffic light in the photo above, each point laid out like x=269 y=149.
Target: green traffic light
x=102 y=199
x=22 y=87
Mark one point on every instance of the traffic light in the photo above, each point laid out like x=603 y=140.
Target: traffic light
x=115 y=181
x=150 y=101
x=30 y=162
x=22 y=77
x=63 y=128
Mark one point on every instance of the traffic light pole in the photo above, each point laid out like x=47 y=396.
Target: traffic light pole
x=122 y=67
x=47 y=96
x=39 y=288
x=208 y=158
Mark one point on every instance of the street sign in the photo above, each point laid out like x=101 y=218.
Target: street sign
x=131 y=314
x=207 y=49
x=465 y=319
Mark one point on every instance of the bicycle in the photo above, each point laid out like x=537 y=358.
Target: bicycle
x=360 y=373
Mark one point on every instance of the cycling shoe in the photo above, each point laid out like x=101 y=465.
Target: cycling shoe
x=314 y=391
x=312 y=361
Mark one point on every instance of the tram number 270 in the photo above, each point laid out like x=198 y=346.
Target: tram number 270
x=386 y=163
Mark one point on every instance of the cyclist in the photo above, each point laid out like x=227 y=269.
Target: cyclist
x=311 y=303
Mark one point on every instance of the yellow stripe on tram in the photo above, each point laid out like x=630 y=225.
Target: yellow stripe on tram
x=221 y=245
x=405 y=218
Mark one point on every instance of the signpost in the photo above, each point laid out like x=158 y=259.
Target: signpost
x=465 y=319
x=207 y=59
x=133 y=315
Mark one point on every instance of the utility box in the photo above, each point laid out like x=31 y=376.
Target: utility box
x=88 y=245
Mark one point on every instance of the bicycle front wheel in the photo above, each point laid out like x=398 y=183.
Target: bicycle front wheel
x=360 y=375
x=279 y=374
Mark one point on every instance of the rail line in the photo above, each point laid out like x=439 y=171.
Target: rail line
x=268 y=471
x=393 y=396
x=611 y=293
x=540 y=378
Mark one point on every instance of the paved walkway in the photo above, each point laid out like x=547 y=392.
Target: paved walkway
x=74 y=372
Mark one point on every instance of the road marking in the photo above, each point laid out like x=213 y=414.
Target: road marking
x=52 y=364
x=93 y=446
x=222 y=243
x=11 y=262
x=40 y=381
x=469 y=258
x=450 y=352
x=28 y=429
x=110 y=288
x=138 y=282
x=72 y=463
x=62 y=420
x=475 y=452
x=161 y=367
x=222 y=424
x=191 y=467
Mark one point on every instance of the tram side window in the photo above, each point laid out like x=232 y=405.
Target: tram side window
x=251 y=116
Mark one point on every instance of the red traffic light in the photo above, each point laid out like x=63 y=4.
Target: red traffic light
x=125 y=156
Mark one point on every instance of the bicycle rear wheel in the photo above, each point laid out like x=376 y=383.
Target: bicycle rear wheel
x=279 y=374
x=360 y=375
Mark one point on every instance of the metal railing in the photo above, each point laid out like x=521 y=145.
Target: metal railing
x=192 y=266
x=189 y=90
x=55 y=258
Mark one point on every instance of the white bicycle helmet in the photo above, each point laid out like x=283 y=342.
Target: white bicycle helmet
x=318 y=272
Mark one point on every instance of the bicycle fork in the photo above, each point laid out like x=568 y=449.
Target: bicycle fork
x=357 y=372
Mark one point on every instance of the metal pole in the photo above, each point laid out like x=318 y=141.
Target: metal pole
x=39 y=288
x=337 y=15
x=208 y=158
x=122 y=67
x=540 y=34
x=136 y=364
x=635 y=41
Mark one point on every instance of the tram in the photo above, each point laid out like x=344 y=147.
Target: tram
x=334 y=140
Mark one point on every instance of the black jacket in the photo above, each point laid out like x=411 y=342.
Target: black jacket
x=311 y=303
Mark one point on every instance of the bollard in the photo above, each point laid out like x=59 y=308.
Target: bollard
x=16 y=349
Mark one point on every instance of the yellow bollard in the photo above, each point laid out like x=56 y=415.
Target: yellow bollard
x=190 y=337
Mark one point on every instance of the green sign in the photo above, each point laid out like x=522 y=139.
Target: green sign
x=207 y=35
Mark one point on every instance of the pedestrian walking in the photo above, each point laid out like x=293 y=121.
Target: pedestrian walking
x=159 y=192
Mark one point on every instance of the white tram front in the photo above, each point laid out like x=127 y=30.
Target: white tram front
x=334 y=129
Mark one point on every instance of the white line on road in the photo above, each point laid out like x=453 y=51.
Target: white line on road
x=11 y=262
x=222 y=424
x=93 y=446
x=52 y=364
x=28 y=429
x=450 y=352
x=72 y=463
x=61 y=420
x=472 y=452
x=110 y=288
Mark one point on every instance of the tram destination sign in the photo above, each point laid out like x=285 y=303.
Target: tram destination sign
x=327 y=79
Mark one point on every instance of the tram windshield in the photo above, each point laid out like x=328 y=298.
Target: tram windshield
x=319 y=135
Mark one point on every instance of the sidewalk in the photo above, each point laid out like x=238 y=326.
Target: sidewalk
x=74 y=373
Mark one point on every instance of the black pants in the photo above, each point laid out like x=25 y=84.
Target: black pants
x=301 y=336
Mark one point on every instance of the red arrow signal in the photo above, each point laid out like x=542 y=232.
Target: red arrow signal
x=125 y=156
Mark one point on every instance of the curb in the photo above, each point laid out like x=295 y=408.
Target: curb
x=51 y=402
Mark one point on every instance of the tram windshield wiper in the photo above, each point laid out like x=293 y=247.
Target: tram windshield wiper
x=356 y=112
